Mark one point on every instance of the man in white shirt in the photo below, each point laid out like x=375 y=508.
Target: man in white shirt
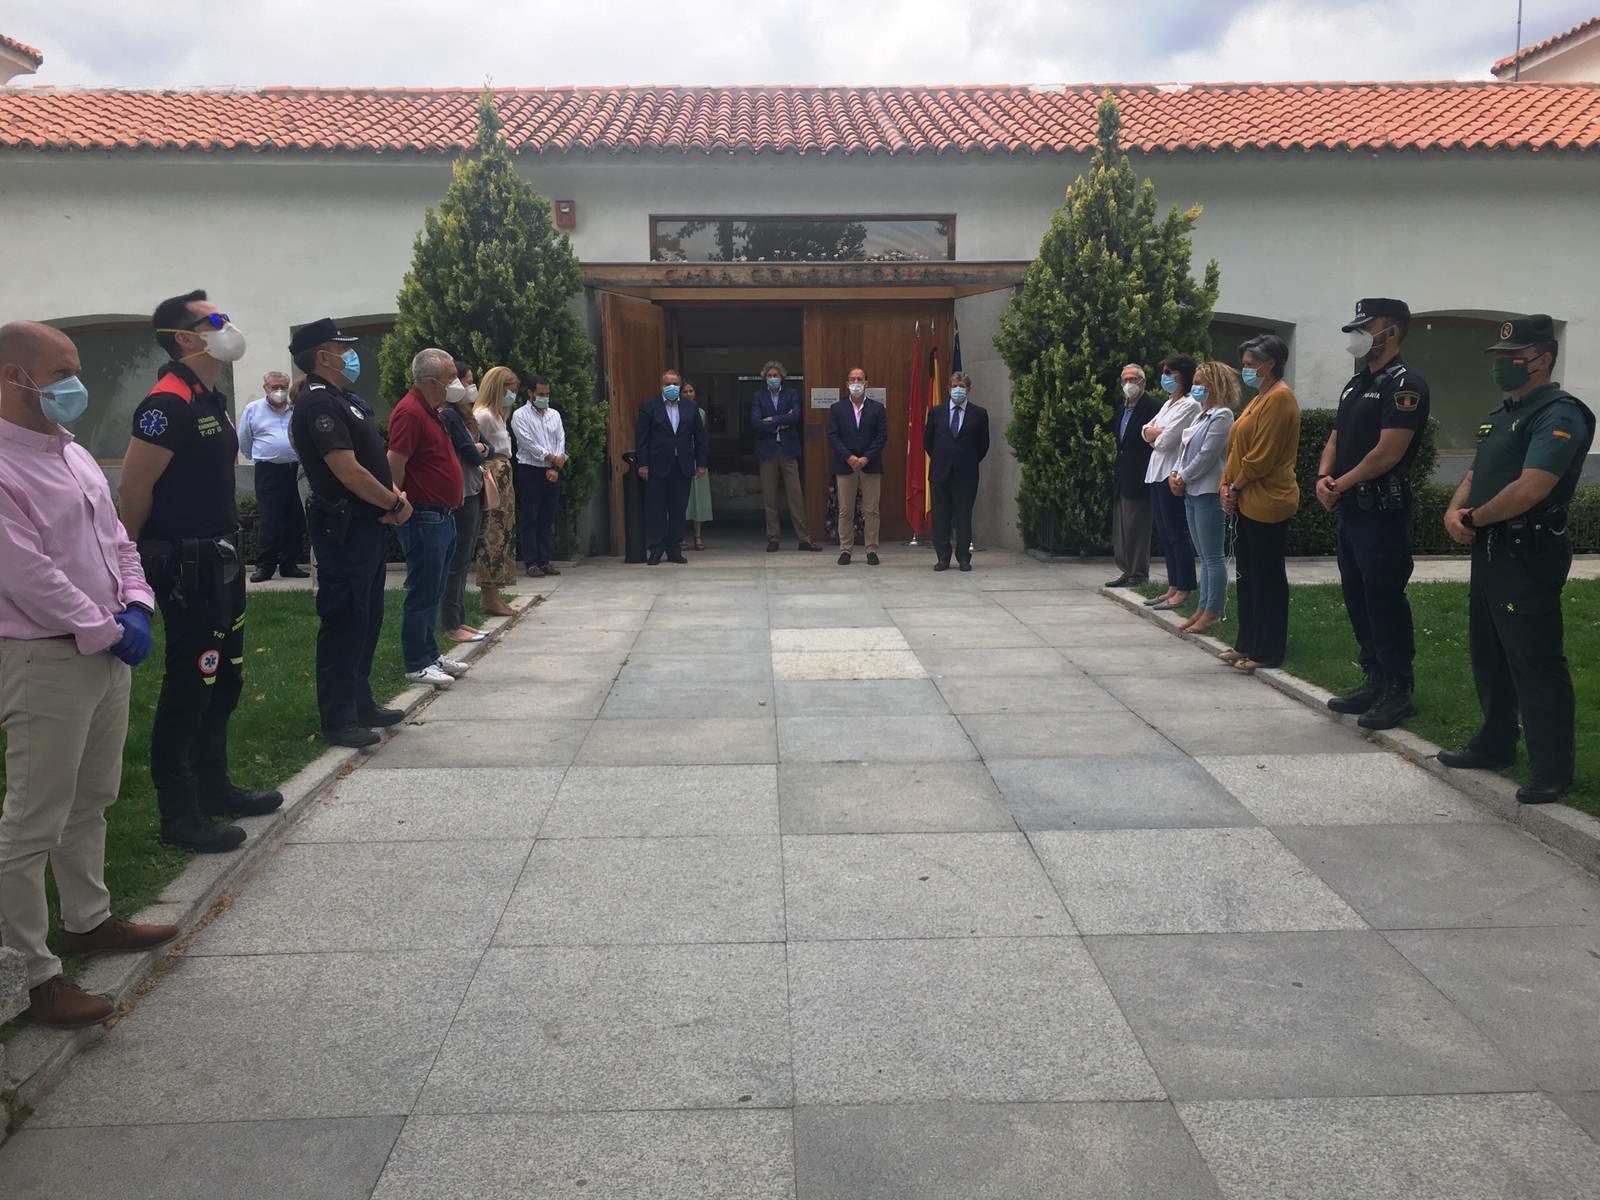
x=541 y=458
x=280 y=519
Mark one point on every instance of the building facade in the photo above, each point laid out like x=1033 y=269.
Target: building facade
x=879 y=214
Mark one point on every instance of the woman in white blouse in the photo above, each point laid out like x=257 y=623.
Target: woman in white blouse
x=497 y=542
x=1165 y=435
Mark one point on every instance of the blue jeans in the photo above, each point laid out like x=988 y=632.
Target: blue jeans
x=427 y=540
x=1208 y=529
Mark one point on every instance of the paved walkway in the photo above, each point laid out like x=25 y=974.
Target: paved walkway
x=763 y=878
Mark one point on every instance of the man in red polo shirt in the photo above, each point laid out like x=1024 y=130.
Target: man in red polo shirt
x=425 y=468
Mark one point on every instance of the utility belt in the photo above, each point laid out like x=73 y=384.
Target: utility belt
x=1388 y=494
x=195 y=574
x=1527 y=535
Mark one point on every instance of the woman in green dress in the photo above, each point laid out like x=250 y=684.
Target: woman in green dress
x=700 y=489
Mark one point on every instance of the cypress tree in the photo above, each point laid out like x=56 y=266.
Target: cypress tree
x=1111 y=285
x=491 y=281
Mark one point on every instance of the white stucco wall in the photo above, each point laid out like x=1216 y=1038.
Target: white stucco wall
x=1578 y=63
x=281 y=240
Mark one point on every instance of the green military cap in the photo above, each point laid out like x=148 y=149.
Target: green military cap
x=1521 y=332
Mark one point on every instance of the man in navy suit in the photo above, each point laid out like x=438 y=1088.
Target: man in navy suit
x=857 y=430
x=775 y=415
x=670 y=444
x=956 y=437
x=1130 y=494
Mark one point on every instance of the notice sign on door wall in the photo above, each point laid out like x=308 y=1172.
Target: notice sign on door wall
x=824 y=397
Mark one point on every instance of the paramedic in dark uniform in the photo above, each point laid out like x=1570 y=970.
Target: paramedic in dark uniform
x=353 y=502
x=177 y=493
x=1365 y=478
x=1512 y=510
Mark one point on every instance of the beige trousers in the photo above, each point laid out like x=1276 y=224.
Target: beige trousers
x=790 y=468
x=871 y=488
x=66 y=717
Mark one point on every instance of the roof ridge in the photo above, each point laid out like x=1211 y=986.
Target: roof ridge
x=1548 y=43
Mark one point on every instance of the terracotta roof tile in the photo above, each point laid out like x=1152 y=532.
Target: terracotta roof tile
x=1549 y=43
x=887 y=120
x=22 y=48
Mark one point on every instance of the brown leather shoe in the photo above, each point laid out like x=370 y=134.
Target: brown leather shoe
x=112 y=936
x=61 y=1005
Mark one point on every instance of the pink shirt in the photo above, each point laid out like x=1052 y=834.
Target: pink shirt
x=66 y=564
x=858 y=408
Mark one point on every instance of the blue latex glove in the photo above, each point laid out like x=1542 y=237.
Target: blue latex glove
x=134 y=647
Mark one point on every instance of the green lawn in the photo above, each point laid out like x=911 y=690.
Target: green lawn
x=273 y=733
x=1323 y=651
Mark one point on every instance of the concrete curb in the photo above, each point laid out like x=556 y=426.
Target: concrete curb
x=36 y=1058
x=1564 y=829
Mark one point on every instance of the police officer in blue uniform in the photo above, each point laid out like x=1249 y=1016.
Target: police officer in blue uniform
x=177 y=494
x=1365 y=478
x=353 y=502
x=1512 y=510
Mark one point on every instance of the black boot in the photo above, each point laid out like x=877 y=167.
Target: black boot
x=231 y=800
x=200 y=835
x=1363 y=698
x=1392 y=707
x=1471 y=759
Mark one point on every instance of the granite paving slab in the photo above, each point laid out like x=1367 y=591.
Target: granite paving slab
x=835 y=640
x=640 y=802
x=707 y=636
x=538 y=667
x=620 y=891
x=1099 y=792
x=1584 y=1108
x=1340 y=789
x=1162 y=658
x=554 y=699
x=432 y=804
x=688 y=669
x=476 y=743
x=1260 y=731
x=982 y=1019
x=971 y=637
x=1064 y=735
x=1231 y=1016
x=848 y=664
x=701 y=698
x=855 y=797
x=851 y=615
x=667 y=741
x=880 y=697
x=618 y=1027
x=670 y=619
x=872 y=739
x=1155 y=695
x=917 y=885
x=1069 y=692
x=1037 y=660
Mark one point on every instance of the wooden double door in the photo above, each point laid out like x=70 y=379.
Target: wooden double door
x=878 y=336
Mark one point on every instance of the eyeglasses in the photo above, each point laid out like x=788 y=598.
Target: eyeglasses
x=214 y=320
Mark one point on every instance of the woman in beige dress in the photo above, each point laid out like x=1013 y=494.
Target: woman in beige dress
x=497 y=543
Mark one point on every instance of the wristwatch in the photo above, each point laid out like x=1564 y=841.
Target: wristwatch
x=399 y=503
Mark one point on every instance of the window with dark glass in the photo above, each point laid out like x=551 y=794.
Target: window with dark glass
x=802 y=239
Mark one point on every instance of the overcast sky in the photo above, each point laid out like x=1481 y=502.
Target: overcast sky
x=333 y=43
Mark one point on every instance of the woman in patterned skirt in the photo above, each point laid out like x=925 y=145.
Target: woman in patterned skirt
x=497 y=542
x=700 y=489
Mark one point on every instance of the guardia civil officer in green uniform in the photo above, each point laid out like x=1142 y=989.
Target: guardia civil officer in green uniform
x=1512 y=509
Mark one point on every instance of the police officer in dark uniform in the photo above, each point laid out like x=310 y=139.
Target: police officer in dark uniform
x=1512 y=509
x=353 y=501
x=177 y=493
x=1365 y=477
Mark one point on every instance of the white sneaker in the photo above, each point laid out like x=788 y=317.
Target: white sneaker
x=451 y=667
x=430 y=674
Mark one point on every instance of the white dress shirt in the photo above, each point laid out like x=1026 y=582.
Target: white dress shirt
x=539 y=435
x=493 y=431
x=264 y=432
x=1176 y=415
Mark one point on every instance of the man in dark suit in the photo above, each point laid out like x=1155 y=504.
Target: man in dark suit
x=670 y=443
x=956 y=437
x=1130 y=494
x=858 y=427
x=775 y=415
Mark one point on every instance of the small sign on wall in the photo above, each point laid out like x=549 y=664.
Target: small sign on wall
x=824 y=397
x=879 y=394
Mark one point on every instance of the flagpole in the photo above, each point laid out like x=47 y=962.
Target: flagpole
x=912 y=400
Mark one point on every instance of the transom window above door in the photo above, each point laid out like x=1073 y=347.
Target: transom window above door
x=802 y=239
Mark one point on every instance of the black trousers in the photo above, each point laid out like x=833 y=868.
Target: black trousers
x=280 y=520
x=468 y=517
x=666 y=499
x=199 y=691
x=538 y=501
x=1263 y=581
x=952 y=505
x=1374 y=567
x=1519 y=661
x=1172 y=525
x=350 y=579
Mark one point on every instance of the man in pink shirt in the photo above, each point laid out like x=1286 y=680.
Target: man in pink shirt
x=74 y=621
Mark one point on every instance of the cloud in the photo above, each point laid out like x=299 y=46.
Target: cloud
x=422 y=43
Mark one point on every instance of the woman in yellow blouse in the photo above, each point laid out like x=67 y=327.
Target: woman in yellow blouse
x=1259 y=488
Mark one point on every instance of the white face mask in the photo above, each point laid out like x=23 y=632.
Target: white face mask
x=857 y=390
x=278 y=396
x=511 y=398
x=472 y=391
x=225 y=344
x=1132 y=390
x=455 y=391
x=1359 y=344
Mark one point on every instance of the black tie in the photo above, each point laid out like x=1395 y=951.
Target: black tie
x=955 y=421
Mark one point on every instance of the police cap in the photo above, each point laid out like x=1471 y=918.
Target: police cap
x=1378 y=306
x=318 y=333
x=1521 y=332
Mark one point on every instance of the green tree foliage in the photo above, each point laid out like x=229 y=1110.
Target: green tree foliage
x=1111 y=285
x=491 y=281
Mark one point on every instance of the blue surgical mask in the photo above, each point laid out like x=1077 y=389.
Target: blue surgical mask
x=670 y=392
x=1169 y=384
x=1250 y=376
x=541 y=401
x=352 y=366
x=63 y=401
x=1198 y=392
x=958 y=394
x=773 y=383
